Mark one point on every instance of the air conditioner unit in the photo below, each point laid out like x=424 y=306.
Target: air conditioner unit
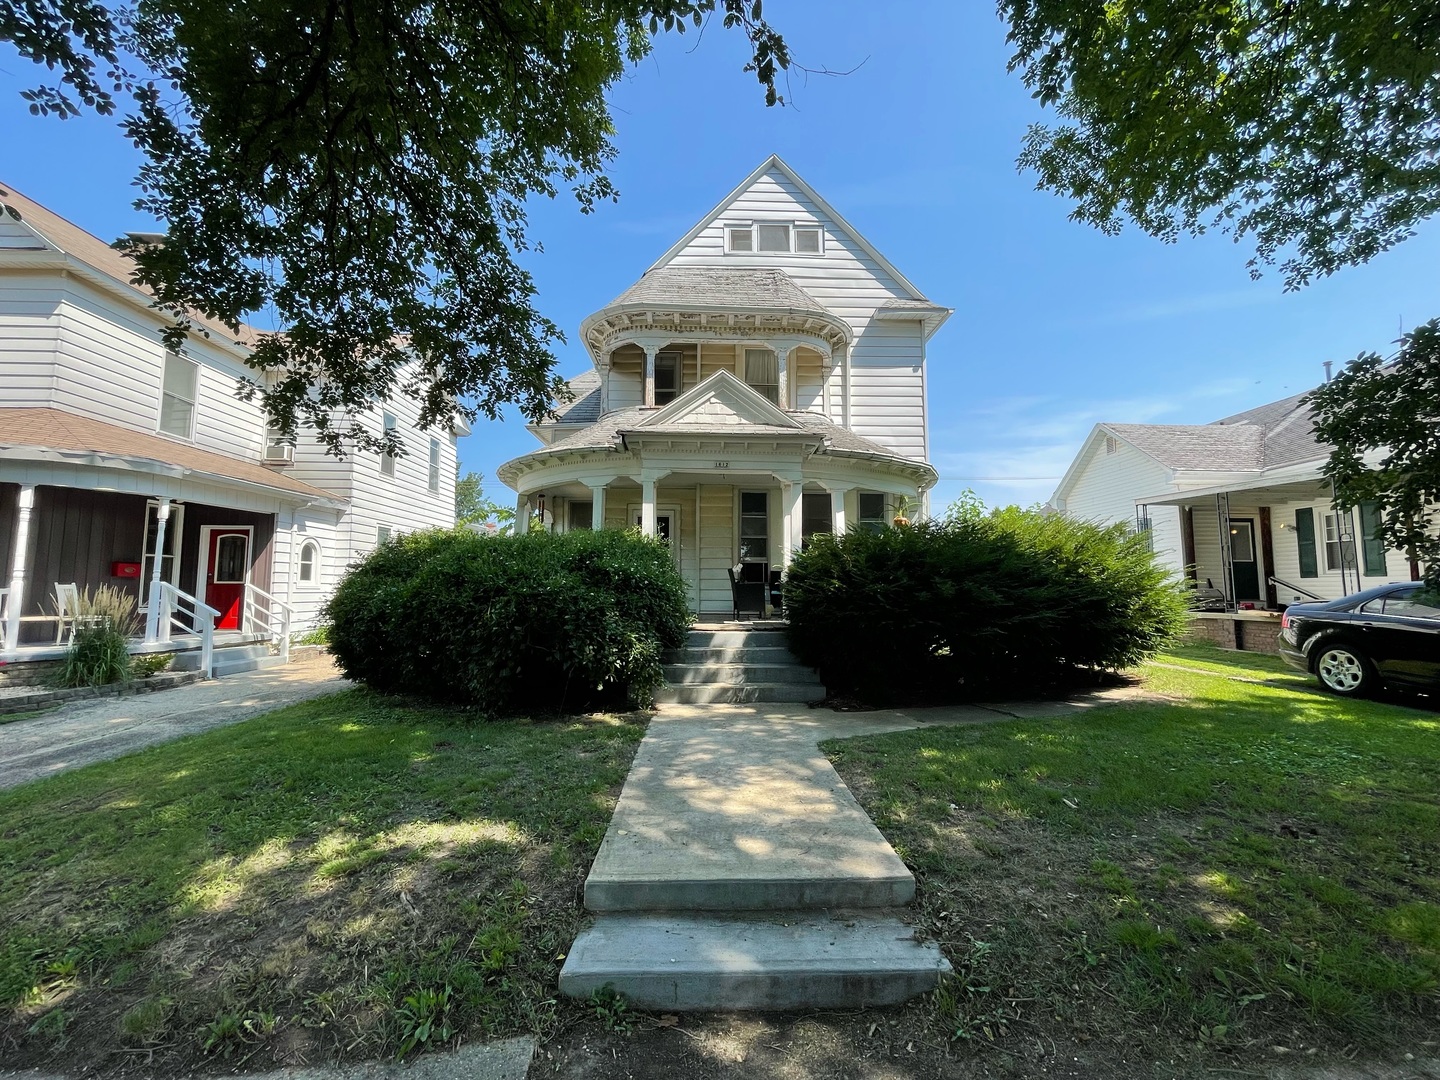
x=279 y=453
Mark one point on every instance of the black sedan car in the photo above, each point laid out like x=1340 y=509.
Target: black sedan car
x=1388 y=635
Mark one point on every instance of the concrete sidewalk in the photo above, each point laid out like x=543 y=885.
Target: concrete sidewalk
x=101 y=729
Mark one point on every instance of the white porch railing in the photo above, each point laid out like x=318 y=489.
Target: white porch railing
x=198 y=619
x=262 y=613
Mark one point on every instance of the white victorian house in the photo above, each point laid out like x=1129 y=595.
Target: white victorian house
x=124 y=464
x=763 y=381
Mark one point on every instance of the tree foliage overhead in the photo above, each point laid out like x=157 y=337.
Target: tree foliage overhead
x=356 y=172
x=1389 y=410
x=1312 y=129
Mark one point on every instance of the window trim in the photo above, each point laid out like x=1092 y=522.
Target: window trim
x=312 y=545
x=193 y=402
x=791 y=225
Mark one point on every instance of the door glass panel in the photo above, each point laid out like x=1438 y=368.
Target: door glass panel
x=1242 y=541
x=230 y=559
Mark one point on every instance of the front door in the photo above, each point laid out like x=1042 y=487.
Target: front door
x=1242 y=559
x=667 y=528
x=226 y=571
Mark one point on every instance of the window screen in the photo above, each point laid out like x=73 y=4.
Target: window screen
x=773 y=237
x=434 y=478
x=807 y=241
x=739 y=239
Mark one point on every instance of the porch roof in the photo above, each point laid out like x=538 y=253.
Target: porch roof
x=53 y=434
x=1302 y=481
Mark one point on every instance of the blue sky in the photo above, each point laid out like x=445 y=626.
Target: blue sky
x=1055 y=326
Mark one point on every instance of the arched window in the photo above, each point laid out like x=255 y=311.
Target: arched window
x=309 y=562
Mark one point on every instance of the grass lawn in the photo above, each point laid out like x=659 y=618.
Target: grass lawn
x=341 y=879
x=1250 y=872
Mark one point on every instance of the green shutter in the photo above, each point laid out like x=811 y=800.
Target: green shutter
x=1374 y=547
x=1305 y=538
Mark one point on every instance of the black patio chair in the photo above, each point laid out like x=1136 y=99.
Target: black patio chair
x=746 y=595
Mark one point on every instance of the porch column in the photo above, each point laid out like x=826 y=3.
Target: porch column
x=597 y=506
x=837 y=504
x=522 y=515
x=650 y=351
x=604 y=366
x=152 y=614
x=16 y=599
x=647 y=504
x=783 y=353
x=790 y=495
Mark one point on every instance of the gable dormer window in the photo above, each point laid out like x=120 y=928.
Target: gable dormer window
x=772 y=237
x=739 y=238
x=807 y=240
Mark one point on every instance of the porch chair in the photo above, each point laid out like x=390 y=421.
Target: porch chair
x=67 y=603
x=746 y=595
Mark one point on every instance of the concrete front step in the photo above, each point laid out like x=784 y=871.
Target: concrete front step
x=741 y=674
x=736 y=639
x=771 y=960
x=745 y=694
x=230 y=660
x=765 y=655
x=238 y=666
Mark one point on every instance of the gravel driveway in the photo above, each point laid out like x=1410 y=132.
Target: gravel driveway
x=97 y=730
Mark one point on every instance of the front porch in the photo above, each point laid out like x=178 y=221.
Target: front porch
x=1260 y=547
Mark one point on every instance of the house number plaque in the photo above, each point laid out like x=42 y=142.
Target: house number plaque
x=722 y=464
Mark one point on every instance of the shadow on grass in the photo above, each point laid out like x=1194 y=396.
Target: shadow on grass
x=327 y=881
x=1249 y=865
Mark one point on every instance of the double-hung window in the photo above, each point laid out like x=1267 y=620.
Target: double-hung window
x=871 y=510
x=817 y=515
x=387 y=461
x=667 y=378
x=1339 y=542
x=762 y=373
x=309 y=562
x=178 y=387
x=754 y=527
x=434 y=477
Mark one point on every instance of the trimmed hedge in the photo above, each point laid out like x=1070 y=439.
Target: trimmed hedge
x=538 y=623
x=996 y=604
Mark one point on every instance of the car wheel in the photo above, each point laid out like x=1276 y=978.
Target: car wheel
x=1342 y=670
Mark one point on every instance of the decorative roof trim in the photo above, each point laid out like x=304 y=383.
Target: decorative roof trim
x=610 y=326
x=766 y=411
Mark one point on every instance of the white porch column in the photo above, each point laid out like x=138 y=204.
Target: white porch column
x=650 y=351
x=783 y=352
x=522 y=515
x=647 y=504
x=152 y=613
x=790 y=495
x=597 y=506
x=16 y=599
x=837 y=504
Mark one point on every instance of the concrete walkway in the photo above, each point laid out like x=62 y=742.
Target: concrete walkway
x=738 y=871
x=98 y=730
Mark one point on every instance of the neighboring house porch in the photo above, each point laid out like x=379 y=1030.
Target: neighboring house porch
x=189 y=532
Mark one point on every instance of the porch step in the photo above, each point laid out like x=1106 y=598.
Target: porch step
x=692 y=674
x=770 y=638
x=744 y=655
x=769 y=960
x=229 y=660
x=747 y=694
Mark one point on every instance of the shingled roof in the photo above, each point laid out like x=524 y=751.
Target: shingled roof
x=719 y=287
x=69 y=434
x=585 y=407
x=1274 y=434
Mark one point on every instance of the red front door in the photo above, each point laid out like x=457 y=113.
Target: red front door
x=225 y=574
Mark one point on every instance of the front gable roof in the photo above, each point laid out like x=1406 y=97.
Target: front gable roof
x=774 y=164
x=721 y=401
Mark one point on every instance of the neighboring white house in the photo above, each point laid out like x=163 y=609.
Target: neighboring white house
x=762 y=382
x=103 y=433
x=1239 y=504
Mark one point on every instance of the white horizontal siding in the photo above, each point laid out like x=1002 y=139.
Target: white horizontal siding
x=1107 y=486
x=29 y=332
x=887 y=359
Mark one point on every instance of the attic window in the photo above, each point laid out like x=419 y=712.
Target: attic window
x=807 y=240
x=739 y=239
x=773 y=237
x=1110 y=444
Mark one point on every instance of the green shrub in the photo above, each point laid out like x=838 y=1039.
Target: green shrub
x=993 y=604
x=531 y=623
x=99 y=651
